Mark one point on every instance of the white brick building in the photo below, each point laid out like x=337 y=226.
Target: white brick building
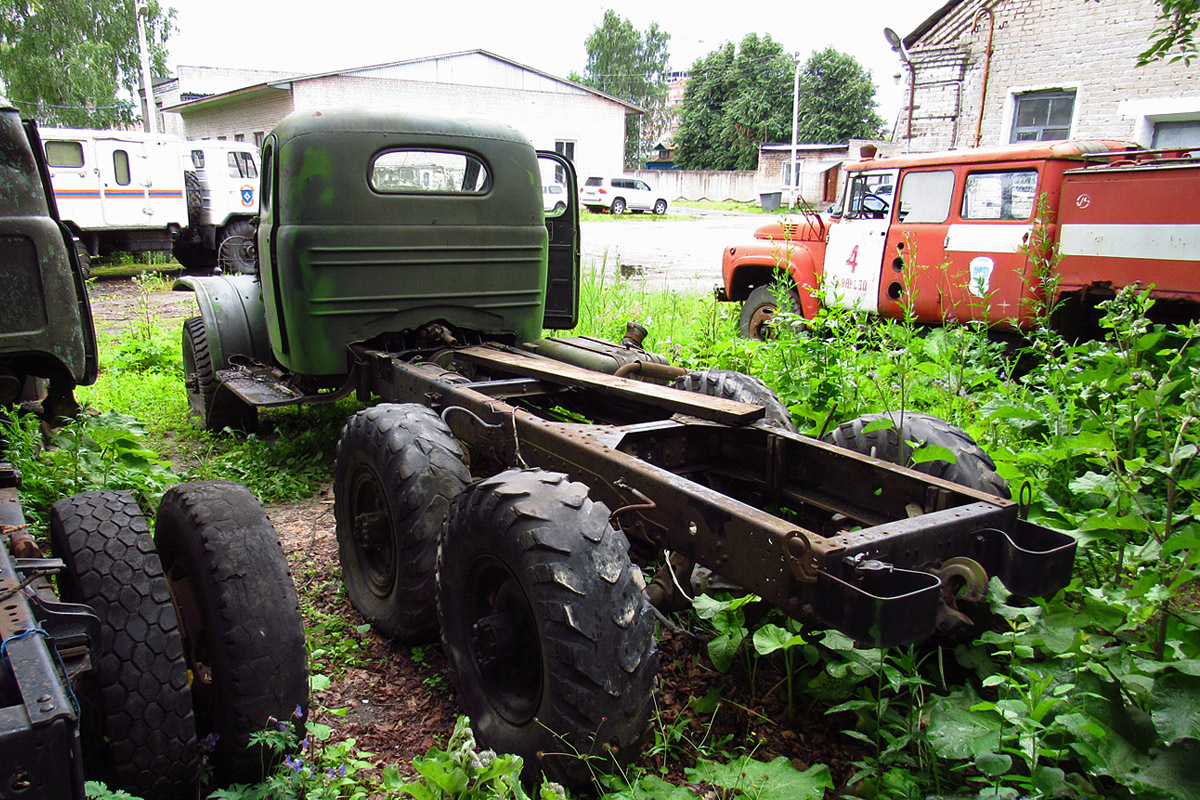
x=1058 y=69
x=555 y=113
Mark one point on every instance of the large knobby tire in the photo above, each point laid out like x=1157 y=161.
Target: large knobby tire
x=242 y=630
x=545 y=623
x=216 y=408
x=973 y=467
x=193 y=258
x=398 y=468
x=238 y=252
x=743 y=388
x=136 y=717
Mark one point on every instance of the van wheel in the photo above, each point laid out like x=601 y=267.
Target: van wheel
x=972 y=468
x=243 y=637
x=660 y=207
x=397 y=469
x=216 y=407
x=545 y=623
x=237 y=252
x=136 y=718
x=618 y=206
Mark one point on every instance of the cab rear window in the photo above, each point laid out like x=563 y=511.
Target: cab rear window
x=429 y=172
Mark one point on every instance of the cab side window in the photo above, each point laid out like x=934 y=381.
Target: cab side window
x=926 y=196
x=121 y=167
x=64 y=154
x=1008 y=195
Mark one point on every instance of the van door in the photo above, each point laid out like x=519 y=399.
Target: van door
x=854 y=255
x=76 y=181
x=123 y=183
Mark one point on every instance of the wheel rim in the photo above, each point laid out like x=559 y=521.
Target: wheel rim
x=193 y=630
x=760 y=322
x=371 y=523
x=505 y=650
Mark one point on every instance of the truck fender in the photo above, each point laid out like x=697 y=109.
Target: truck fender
x=746 y=268
x=235 y=320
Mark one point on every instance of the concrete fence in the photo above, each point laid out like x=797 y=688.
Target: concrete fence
x=700 y=185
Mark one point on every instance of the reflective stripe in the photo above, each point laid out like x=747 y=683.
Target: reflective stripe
x=1158 y=242
x=988 y=237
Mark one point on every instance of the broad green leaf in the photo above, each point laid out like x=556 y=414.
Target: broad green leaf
x=777 y=780
x=883 y=423
x=993 y=765
x=1176 y=707
x=958 y=732
x=770 y=638
x=932 y=452
x=723 y=648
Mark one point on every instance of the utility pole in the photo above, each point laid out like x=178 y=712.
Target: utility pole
x=795 y=129
x=143 y=10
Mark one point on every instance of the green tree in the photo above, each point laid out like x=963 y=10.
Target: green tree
x=631 y=65
x=836 y=100
x=1174 y=39
x=75 y=62
x=735 y=100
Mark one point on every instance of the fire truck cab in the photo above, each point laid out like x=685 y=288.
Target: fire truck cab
x=959 y=235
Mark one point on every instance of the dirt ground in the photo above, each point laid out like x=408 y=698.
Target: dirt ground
x=399 y=700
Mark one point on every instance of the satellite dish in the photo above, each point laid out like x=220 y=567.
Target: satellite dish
x=893 y=38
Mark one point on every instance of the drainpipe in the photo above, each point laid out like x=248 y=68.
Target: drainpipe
x=795 y=126
x=987 y=64
x=147 y=83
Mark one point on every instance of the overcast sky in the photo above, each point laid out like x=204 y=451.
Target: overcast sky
x=291 y=36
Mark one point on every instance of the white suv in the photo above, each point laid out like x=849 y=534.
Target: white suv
x=619 y=195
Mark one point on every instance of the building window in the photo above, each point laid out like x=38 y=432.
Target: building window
x=1042 y=116
x=565 y=149
x=1182 y=133
x=239 y=137
x=258 y=138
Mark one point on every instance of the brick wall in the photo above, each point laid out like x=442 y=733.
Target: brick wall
x=1088 y=47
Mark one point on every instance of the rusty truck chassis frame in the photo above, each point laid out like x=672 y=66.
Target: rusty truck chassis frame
x=872 y=549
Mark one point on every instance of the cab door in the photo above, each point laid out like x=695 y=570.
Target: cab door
x=854 y=254
x=986 y=254
x=562 y=226
x=914 y=279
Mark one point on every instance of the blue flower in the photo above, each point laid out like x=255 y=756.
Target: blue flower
x=299 y=712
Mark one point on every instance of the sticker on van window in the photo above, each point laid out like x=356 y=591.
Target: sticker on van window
x=981 y=275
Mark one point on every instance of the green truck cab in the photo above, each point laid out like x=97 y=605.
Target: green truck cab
x=380 y=227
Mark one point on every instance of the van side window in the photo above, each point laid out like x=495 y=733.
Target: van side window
x=429 y=172
x=1007 y=195
x=925 y=196
x=198 y=159
x=64 y=154
x=121 y=167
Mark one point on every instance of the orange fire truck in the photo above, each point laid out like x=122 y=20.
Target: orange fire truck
x=974 y=235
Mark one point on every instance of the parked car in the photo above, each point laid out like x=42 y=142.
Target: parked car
x=619 y=195
x=554 y=199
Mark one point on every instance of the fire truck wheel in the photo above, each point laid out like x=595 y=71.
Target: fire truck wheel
x=138 y=731
x=731 y=385
x=545 y=623
x=973 y=467
x=397 y=469
x=216 y=408
x=243 y=637
x=758 y=313
x=237 y=252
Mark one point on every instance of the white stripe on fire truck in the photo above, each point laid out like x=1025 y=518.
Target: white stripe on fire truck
x=1158 y=242
x=989 y=237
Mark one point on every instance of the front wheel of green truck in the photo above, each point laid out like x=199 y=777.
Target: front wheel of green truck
x=397 y=470
x=243 y=636
x=136 y=720
x=216 y=407
x=545 y=623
